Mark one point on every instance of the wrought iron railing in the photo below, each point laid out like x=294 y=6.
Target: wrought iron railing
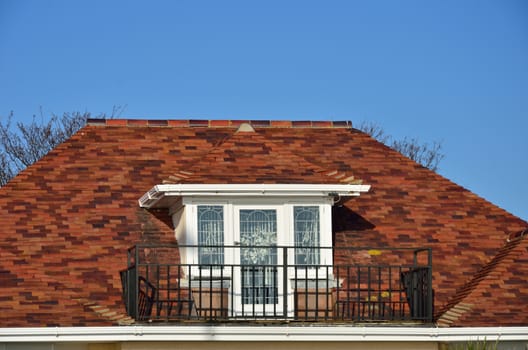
x=359 y=284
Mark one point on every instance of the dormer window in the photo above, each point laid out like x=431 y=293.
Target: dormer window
x=215 y=215
x=210 y=224
x=260 y=241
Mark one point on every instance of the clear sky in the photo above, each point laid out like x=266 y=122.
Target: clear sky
x=452 y=71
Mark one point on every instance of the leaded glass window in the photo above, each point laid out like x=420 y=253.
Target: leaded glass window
x=258 y=256
x=211 y=234
x=306 y=233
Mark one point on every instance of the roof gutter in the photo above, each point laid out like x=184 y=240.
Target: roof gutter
x=159 y=192
x=254 y=333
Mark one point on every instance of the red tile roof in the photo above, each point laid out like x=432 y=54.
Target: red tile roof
x=498 y=288
x=68 y=220
x=248 y=157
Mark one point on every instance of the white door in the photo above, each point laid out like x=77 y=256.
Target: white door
x=258 y=282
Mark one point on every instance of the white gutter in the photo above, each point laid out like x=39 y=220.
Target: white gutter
x=259 y=333
x=158 y=192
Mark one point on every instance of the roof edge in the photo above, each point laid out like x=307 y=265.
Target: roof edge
x=158 y=192
x=255 y=334
x=225 y=123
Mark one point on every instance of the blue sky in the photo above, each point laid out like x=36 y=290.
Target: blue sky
x=452 y=71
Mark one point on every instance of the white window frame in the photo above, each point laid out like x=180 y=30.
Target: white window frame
x=285 y=230
x=190 y=254
x=325 y=240
x=187 y=213
x=257 y=309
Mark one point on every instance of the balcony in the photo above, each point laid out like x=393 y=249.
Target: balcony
x=277 y=284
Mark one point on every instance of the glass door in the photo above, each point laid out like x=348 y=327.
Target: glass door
x=259 y=282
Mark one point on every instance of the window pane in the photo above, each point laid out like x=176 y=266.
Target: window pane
x=258 y=256
x=306 y=232
x=210 y=234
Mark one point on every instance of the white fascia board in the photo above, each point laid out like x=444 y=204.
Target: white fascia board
x=255 y=333
x=159 y=192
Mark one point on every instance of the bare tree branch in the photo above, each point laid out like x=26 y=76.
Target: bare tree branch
x=25 y=143
x=375 y=131
x=428 y=155
x=6 y=172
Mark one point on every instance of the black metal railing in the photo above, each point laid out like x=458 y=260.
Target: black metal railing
x=269 y=283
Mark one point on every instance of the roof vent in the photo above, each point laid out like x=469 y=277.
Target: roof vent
x=245 y=127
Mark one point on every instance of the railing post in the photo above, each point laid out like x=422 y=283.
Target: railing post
x=127 y=285
x=430 y=299
x=285 y=280
x=135 y=280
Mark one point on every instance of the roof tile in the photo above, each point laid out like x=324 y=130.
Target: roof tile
x=219 y=123
x=281 y=123
x=137 y=122
x=178 y=123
